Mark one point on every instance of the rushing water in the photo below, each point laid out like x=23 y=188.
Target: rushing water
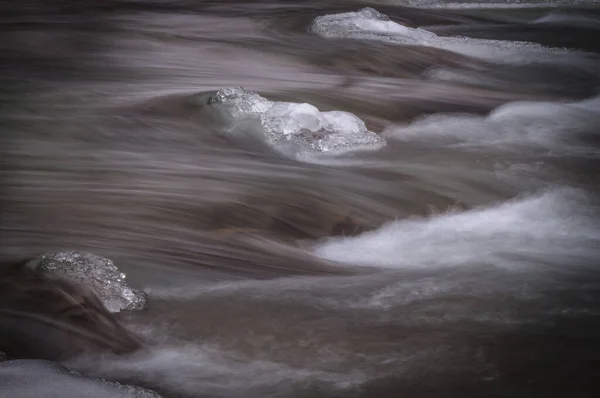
x=461 y=259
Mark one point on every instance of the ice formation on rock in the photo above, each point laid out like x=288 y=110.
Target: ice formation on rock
x=295 y=127
x=368 y=23
x=98 y=273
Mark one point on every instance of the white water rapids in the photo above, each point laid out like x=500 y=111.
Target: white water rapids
x=333 y=199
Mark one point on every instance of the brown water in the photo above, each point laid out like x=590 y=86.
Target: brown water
x=479 y=277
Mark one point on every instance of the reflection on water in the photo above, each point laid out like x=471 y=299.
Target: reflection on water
x=459 y=259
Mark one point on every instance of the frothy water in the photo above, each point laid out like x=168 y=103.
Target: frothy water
x=557 y=227
x=53 y=380
x=401 y=201
x=556 y=129
x=209 y=371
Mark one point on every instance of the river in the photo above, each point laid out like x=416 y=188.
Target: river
x=460 y=259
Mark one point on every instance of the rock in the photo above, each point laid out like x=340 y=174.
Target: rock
x=98 y=273
x=3 y=357
x=44 y=317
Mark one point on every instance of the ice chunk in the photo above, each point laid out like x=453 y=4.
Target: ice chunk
x=296 y=127
x=368 y=23
x=36 y=378
x=286 y=119
x=98 y=273
x=240 y=102
x=340 y=132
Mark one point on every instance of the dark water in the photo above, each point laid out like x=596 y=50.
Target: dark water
x=478 y=271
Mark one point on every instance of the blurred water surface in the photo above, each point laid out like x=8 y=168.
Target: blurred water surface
x=461 y=259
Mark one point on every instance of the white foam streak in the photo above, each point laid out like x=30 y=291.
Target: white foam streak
x=467 y=4
x=554 y=128
x=38 y=378
x=553 y=228
x=190 y=369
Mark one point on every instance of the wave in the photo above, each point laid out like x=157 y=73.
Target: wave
x=36 y=378
x=556 y=227
x=544 y=127
x=205 y=371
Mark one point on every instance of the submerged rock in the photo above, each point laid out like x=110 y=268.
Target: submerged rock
x=368 y=23
x=294 y=128
x=98 y=273
x=36 y=378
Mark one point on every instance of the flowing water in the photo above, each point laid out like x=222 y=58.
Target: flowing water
x=462 y=259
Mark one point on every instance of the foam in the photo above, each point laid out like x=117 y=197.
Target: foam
x=565 y=19
x=36 y=378
x=474 y=4
x=189 y=368
x=550 y=128
x=556 y=227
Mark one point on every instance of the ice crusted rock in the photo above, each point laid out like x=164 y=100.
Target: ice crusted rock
x=98 y=273
x=36 y=378
x=368 y=23
x=296 y=127
x=240 y=102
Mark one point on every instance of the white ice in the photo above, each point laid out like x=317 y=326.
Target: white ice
x=98 y=273
x=293 y=128
x=36 y=379
x=369 y=24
